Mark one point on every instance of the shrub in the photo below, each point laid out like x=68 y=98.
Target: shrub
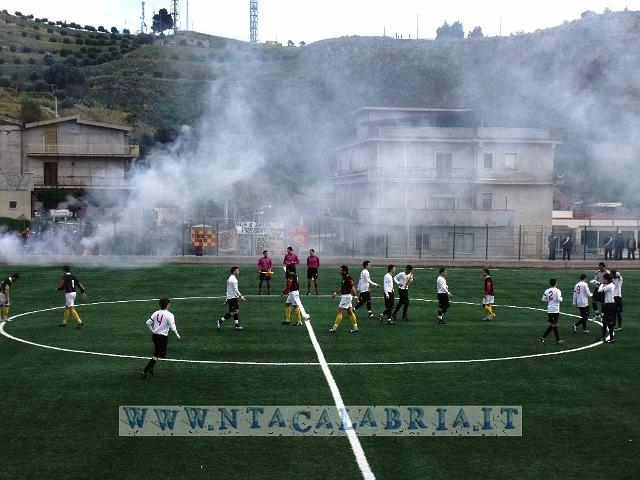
x=32 y=61
x=13 y=48
x=66 y=40
x=79 y=41
x=33 y=76
x=49 y=30
x=5 y=82
x=1 y=61
x=24 y=34
x=53 y=39
x=48 y=60
x=157 y=74
x=26 y=49
x=17 y=61
x=102 y=29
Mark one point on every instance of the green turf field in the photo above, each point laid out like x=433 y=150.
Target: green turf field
x=60 y=409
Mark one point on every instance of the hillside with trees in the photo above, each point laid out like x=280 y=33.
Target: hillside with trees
x=581 y=78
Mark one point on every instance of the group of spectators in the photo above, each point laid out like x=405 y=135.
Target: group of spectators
x=614 y=246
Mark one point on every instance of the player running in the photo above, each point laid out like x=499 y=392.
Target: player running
x=347 y=290
x=552 y=296
x=69 y=284
x=233 y=294
x=363 y=286
x=159 y=324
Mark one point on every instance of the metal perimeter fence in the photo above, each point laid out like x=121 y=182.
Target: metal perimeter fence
x=220 y=237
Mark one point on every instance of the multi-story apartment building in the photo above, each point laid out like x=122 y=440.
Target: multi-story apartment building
x=416 y=170
x=64 y=152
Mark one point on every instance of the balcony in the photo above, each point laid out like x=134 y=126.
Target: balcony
x=416 y=216
x=454 y=175
x=87 y=181
x=91 y=150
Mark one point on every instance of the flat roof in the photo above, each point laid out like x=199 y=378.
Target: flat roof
x=412 y=109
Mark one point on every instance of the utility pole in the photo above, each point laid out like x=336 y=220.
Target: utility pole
x=253 y=21
x=143 y=25
x=175 y=16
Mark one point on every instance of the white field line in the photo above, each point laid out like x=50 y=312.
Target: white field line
x=361 y=458
x=333 y=364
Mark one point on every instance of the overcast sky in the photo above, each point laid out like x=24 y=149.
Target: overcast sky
x=312 y=20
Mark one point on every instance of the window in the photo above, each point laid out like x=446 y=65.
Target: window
x=443 y=202
x=487 y=201
x=13 y=204
x=423 y=241
x=510 y=161
x=444 y=165
x=464 y=242
x=487 y=161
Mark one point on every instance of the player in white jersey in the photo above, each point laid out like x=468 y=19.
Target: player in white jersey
x=598 y=297
x=581 y=296
x=387 y=287
x=617 y=296
x=233 y=294
x=363 y=287
x=443 y=296
x=607 y=288
x=552 y=296
x=159 y=324
x=403 y=279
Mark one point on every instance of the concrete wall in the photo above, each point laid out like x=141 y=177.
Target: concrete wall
x=10 y=149
x=23 y=203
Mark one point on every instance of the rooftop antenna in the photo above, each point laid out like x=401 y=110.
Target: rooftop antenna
x=417 y=20
x=187 y=20
x=253 y=21
x=175 y=16
x=143 y=25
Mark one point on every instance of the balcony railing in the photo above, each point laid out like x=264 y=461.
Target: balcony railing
x=85 y=181
x=408 y=172
x=89 y=150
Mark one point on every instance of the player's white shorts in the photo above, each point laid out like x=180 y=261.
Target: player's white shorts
x=70 y=299
x=3 y=299
x=487 y=300
x=293 y=298
x=345 y=301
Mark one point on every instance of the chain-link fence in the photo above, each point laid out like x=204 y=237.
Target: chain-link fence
x=220 y=237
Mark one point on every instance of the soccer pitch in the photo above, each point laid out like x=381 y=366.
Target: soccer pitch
x=60 y=407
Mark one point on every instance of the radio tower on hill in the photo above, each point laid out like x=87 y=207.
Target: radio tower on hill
x=175 y=16
x=253 y=21
x=143 y=25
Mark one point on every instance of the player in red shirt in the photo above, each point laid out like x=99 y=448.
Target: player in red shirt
x=264 y=272
x=313 y=263
x=488 y=298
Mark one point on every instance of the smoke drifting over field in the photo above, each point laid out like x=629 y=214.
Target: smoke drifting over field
x=275 y=117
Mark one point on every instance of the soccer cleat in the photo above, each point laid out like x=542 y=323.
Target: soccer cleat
x=542 y=340
x=330 y=330
x=306 y=316
x=574 y=328
x=492 y=316
x=238 y=327
x=354 y=330
x=405 y=319
x=285 y=322
x=308 y=293
x=218 y=324
x=298 y=324
x=616 y=329
x=370 y=315
x=390 y=322
x=559 y=342
x=145 y=375
x=381 y=318
x=80 y=325
x=585 y=331
x=62 y=324
x=441 y=321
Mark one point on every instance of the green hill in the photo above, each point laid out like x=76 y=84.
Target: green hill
x=582 y=77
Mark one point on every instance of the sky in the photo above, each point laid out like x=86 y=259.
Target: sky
x=309 y=21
